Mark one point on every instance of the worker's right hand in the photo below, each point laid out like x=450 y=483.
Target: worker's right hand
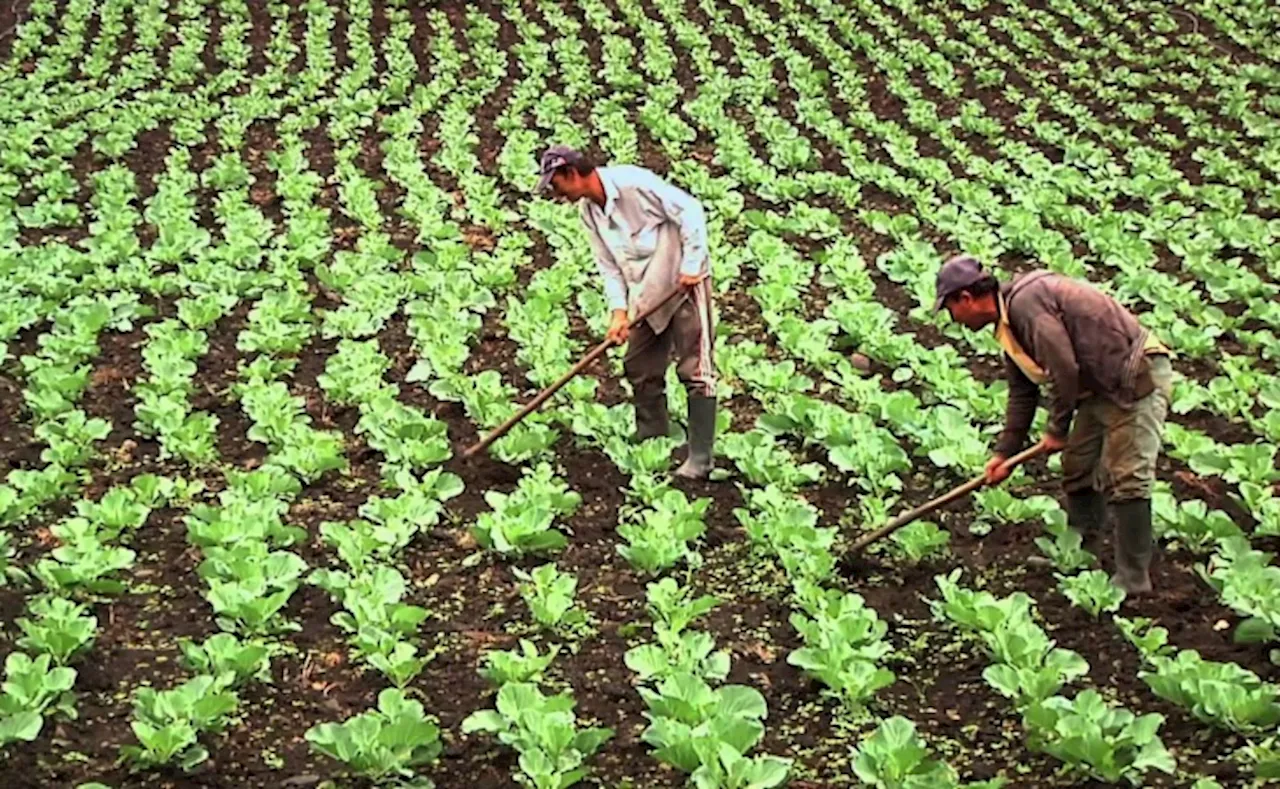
x=618 y=327
x=997 y=469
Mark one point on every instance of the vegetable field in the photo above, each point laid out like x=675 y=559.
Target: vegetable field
x=268 y=266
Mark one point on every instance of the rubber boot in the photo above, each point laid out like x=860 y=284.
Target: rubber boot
x=1086 y=511
x=1133 y=545
x=651 y=417
x=1087 y=514
x=702 y=433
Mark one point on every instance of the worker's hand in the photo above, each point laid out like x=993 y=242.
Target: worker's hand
x=689 y=280
x=1051 y=443
x=619 y=325
x=997 y=469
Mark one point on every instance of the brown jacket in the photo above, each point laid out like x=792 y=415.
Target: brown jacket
x=1086 y=342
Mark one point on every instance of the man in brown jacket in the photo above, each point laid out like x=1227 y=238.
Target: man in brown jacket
x=1105 y=372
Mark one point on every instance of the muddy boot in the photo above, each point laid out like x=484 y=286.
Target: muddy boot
x=1133 y=545
x=651 y=417
x=702 y=433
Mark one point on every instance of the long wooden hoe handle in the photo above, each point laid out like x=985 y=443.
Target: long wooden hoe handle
x=933 y=504
x=501 y=430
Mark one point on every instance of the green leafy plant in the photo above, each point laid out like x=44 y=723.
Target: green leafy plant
x=763 y=461
x=521 y=522
x=1149 y=640
x=123 y=509
x=249 y=586
x=785 y=525
x=544 y=731
x=71 y=436
x=1038 y=674
x=86 y=564
x=33 y=688
x=676 y=651
x=401 y=664
x=168 y=723
x=1029 y=667
x=683 y=653
x=1262 y=757
x=1192 y=522
x=1219 y=693
x=373 y=615
x=673 y=607
x=1247 y=582
x=523 y=665
x=844 y=643
x=354 y=373
x=1092 y=738
x=61 y=629
x=229 y=660
x=684 y=712
x=7 y=571
x=406 y=436
x=661 y=536
x=383 y=743
x=723 y=767
x=921 y=540
x=549 y=594
x=1091 y=590
x=1064 y=546
x=999 y=506
x=896 y=757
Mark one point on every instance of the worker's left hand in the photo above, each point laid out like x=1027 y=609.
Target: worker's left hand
x=689 y=280
x=1051 y=443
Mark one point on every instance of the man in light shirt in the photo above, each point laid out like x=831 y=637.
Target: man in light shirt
x=648 y=237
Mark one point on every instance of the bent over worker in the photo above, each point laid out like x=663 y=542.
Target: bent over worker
x=1111 y=382
x=648 y=237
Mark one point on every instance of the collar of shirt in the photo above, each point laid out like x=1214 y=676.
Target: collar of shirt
x=610 y=194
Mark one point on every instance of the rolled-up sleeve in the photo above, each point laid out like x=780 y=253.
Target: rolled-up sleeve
x=615 y=285
x=674 y=204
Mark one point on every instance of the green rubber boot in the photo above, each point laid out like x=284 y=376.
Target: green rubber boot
x=651 y=417
x=702 y=433
x=1134 y=545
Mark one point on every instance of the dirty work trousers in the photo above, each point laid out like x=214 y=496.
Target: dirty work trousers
x=689 y=334
x=1114 y=450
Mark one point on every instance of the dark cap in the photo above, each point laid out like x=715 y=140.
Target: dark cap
x=958 y=273
x=553 y=159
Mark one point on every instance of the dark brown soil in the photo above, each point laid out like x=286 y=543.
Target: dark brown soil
x=11 y=15
x=17 y=441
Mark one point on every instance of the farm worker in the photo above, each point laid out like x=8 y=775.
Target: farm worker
x=648 y=236
x=1105 y=371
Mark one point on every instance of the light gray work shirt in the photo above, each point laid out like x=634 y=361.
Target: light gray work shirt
x=645 y=236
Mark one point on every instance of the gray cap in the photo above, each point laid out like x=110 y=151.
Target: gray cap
x=958 y=273
x=554 y=158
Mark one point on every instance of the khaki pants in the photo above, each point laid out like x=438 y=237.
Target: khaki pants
x=1114 y=450
x=689 y=333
